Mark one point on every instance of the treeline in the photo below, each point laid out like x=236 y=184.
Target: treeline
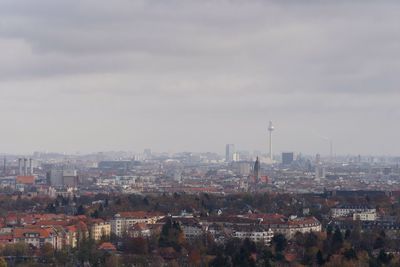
x=331 y=248
x=286 y=204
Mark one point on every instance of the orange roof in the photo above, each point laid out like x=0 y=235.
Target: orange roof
x=107 y=246
x=81 y=217
x=71 y=228
x=304 y=220
x=138 y=214
x=20 y=232
x=51 y=223
x=49 y=216
x=290 y=256
x=25 y=179
x=81 y=226
x=96 y=221
x=5 y=237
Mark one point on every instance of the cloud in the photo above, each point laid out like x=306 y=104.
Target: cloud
x=216 y=70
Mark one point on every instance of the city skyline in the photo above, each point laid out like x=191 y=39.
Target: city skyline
x=194 y=76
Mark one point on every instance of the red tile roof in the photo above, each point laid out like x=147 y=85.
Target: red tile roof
x=20 y=232
x=107 y=246
x=25 y=179
x=138 y=214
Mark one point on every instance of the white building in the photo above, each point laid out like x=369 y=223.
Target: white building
x=302 y=225
x=229 y=151
x=364 y=216
x=191 y=228
x=255 y=233
x=37 y=237
x=123 y=221
x=350 y=210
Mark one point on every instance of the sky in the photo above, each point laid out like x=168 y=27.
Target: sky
x=184 y=75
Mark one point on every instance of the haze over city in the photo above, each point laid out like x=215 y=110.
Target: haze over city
x=199 y=133
x=194 y=75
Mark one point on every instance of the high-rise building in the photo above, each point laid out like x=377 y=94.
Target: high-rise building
x=320 y=172
x=56 y=177
x=236 y=156
x=70 y=178
x=243 y=168
x=287 y=158
x=229 y=151
x=63 y=177
x=319 y=168
x=147 y=153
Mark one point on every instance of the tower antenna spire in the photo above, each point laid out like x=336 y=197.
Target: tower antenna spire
x=271 y=128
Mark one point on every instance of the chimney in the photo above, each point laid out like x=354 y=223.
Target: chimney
x=30 y=167
x=19 y=166
x=25 y=167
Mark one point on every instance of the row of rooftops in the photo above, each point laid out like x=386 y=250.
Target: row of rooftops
x=23 y=219
x=138 y=214
x=72 y=223
x=354 y=207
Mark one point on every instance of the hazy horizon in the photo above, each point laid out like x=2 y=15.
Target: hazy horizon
x=195 y=75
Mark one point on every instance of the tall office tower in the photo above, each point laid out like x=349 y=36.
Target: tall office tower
x=56 y=177
x=147 y=153
x=243 y=168
x=256 y=170
x=70 y=178
x=25 y=167
x=287 y=158
x=5 y=166
x=236 y=156
x=318 y=159
x=20 y=166
x=319 y=168
x=229 y=151
x=30 y=172
x=320 y=172
x=271 y=128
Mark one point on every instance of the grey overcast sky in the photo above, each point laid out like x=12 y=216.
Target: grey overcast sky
x=94 y=75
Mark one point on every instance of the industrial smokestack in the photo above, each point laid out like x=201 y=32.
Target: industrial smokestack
x=25 y=167
x=19 y=166
x=30 y=167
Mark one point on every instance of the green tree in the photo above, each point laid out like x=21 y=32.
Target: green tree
x=350 y=254
x=171 y=235
x=347 y=234
x=95 y=214
x=87 y=252
x=3 y=262
x=320 y=258
x=62 y=257
x=80 y=210
x=337 y=240
x=138 y=245
x=47 y=253
x=221 y=260
x=280 y=242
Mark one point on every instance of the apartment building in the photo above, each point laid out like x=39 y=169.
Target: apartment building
x=123 y=221
x=99 y=228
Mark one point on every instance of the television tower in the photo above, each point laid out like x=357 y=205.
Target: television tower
x=270 y=130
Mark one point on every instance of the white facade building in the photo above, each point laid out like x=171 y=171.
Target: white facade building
x=254 y=233
x=364 y=216
x=123 y=221
x=350 y=210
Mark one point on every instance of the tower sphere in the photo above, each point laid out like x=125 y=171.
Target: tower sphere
x=271 y=127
